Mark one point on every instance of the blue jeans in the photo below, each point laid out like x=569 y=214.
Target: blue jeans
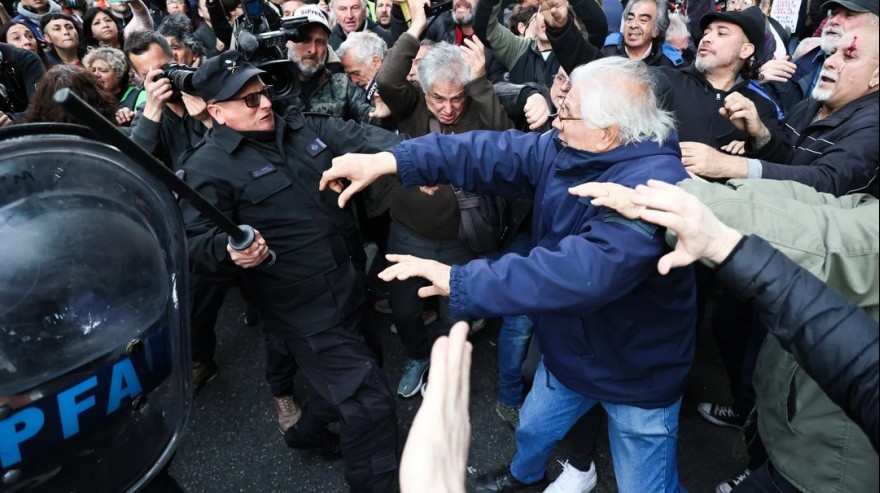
x=513 y=340
x=643 y=441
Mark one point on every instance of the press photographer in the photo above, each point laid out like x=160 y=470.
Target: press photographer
x=172 y=120
x=320 y=90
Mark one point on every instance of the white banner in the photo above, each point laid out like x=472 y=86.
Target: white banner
x=786 y=12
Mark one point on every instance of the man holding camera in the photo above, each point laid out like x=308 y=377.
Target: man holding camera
x=264 y=170
x=171 y=121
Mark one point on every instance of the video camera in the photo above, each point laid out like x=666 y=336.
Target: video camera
x=435 y=8
x=249 y=42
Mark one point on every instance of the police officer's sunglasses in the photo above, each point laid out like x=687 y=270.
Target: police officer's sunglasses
x=253 y=99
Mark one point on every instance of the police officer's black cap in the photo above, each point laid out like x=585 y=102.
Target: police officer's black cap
x=220 y=77
x=750 y=20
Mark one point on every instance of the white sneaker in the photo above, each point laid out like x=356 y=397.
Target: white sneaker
x=730 y=484
x=574 y=480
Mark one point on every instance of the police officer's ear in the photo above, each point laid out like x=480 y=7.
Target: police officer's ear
x=216 y=112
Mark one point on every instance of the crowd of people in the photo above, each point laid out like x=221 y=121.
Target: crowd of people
x=557 y=164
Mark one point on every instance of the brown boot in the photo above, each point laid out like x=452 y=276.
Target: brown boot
x=288 y=412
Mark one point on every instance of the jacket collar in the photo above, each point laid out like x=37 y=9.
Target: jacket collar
x=576 y=161
x=843 y=114
x=230 y=139
x=691 y=70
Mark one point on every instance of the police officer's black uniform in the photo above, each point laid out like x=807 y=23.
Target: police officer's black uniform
x=312 y=298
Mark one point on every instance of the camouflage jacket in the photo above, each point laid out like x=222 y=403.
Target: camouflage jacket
x=337 y=96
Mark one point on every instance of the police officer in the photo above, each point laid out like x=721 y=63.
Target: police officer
x=263 y=170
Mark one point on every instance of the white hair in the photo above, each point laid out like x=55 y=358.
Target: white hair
x=333 y=5
x=443 y=62
x=678 y=27
x=363 y=45
x=619 y=91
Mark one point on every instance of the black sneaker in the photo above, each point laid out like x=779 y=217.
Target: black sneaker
x=502 y=480
x=721 y=415
x=202 y=373
x=325 y=443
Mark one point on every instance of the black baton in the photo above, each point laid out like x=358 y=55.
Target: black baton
x=240 y=237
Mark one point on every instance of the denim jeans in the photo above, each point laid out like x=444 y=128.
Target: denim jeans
x=643 y=441
x=513 y=340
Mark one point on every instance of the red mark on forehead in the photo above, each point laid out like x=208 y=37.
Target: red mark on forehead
x=853 y=47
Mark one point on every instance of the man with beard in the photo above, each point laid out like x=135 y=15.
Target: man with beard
x=320 y=90
x=790 y=83
x=383 y=13
x=830 y=141
x=644 y=32
x=351 y=16
x=696 y=93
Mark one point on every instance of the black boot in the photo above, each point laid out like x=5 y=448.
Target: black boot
x=503 y=481
x=324 y=443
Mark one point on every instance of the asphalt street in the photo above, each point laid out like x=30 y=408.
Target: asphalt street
x=232 y=442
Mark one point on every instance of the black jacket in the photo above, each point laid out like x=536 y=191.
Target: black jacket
x=530 y=65
x=337 y=36
x=833 y=339
x=655 y=59
x=169 y=138
x=273 y=186
x=19 y=71
x=838 y=154
x=686 y=92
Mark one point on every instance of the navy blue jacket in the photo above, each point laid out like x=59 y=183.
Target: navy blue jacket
x=610 y=325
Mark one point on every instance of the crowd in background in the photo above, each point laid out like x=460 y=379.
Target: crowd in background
x=789 y=102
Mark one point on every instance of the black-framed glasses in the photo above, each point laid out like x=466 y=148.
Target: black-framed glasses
x=253 y=99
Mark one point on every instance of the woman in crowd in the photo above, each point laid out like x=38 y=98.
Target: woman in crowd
x=99 y=29
x=82 y=83
x=62 y=34
x=19 y=35
x=185 y=48
x=114 y=74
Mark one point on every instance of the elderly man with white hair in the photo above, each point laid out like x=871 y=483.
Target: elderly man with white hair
x=351 y=17
x=589 y=268
x=361 y=55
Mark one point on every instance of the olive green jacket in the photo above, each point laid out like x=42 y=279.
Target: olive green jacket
x=809 y=439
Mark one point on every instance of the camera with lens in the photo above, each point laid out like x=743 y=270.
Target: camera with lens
x=435 y=8
x=249 y=42
x=180 y=77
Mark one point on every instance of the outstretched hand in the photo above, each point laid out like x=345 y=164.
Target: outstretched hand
x=359 y=169
x=611 y=195
x=700 y=233
x=407 y=266
x=436 y=451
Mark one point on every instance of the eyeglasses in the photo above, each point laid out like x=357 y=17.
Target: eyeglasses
x=254 y=99
x=561 y=80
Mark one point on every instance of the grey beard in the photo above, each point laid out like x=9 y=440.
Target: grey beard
x=821 y=95
x=463 y=20
x=703 y=66
x=308 y=72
